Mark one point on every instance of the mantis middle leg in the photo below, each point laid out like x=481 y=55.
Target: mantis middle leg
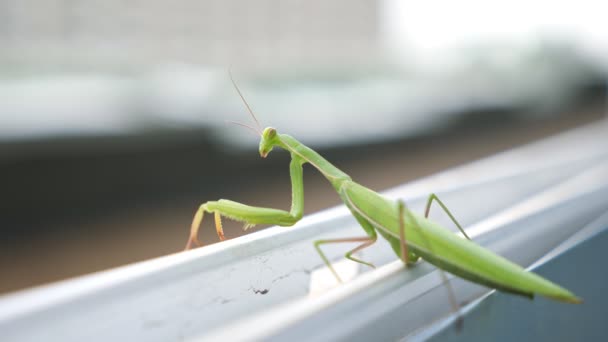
x=368 y=240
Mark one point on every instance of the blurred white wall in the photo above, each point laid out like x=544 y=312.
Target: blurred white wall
x=428 y=32
x=385 y=68
x=256 y=34
x=284 y=33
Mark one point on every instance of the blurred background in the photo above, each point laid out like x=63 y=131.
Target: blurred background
x=113 y=113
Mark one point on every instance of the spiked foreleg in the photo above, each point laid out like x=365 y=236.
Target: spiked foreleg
x=253 y=215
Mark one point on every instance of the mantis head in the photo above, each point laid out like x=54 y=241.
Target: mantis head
x=268 y=140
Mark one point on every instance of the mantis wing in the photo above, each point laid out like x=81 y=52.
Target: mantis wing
x=448 y=251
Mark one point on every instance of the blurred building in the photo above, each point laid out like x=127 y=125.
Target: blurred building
x=257 y=34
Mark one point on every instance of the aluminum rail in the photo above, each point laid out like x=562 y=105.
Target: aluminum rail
x=496 y=317
x=272 y=285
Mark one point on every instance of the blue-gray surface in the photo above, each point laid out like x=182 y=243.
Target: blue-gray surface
x=500 y=317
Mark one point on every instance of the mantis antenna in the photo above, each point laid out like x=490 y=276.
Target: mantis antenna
x=245 y=102
x=255 y=131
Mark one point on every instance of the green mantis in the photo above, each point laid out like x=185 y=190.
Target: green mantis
x=410 y=235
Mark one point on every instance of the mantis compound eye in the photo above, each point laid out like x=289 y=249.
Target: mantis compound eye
x=270 y=133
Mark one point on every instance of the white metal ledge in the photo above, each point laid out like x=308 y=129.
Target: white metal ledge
x=271 y=285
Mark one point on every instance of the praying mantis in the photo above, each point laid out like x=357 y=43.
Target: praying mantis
x=411 y=236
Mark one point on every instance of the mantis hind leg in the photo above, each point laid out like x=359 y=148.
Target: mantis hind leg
x=444 y=278
x=428 y=209
x=367 y=241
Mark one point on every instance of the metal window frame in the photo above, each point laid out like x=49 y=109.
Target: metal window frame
x=522 y=204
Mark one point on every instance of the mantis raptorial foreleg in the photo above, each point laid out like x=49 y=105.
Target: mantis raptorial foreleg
x=253 y=215
x=196 y=222
x=428 y=209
